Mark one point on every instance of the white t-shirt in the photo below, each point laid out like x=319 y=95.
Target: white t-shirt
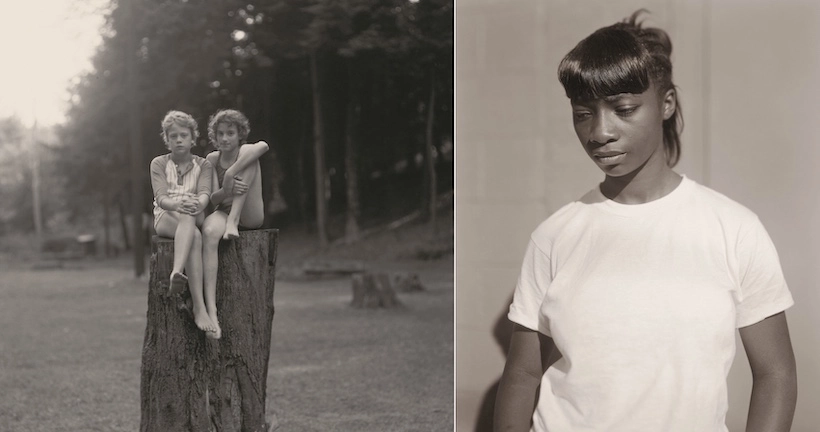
x=643 y=301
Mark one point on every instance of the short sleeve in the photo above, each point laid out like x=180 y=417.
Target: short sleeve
x=531 y=289
x=158 y=181
x=762 y=290
x=203 y=183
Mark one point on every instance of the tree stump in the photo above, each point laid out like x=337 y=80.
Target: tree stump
x=373 y=290
x=190 y=382
x=406 y=282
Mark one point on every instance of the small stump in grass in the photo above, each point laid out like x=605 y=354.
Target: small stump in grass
x=406 y=282
x=373 y=290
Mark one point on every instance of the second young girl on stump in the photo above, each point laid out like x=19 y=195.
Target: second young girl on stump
x=628 y=299
x=237 y=193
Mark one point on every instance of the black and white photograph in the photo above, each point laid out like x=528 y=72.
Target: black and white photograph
x=227 y=215
x=636 y=216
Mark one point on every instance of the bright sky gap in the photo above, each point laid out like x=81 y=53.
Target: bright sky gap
x=46 y=44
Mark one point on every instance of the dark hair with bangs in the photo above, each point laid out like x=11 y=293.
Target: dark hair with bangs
x=624 y=58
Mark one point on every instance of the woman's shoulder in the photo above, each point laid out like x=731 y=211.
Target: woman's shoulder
x=558 y=222
x=722 y=205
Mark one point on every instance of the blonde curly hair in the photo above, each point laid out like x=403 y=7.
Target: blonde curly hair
x=181 y=119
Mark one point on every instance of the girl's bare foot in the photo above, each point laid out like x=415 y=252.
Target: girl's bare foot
x=203 y=321
x=178 y=283
x=231 y=231
x=217 y=333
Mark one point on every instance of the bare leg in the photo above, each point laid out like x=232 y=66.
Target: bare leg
x=180 y=228
x=168 y=226
x=253 y=211
x=201 y=318
x=250 y=176
x=199 y=219
x=212 y=231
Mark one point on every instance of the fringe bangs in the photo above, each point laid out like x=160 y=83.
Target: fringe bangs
x=606 y=63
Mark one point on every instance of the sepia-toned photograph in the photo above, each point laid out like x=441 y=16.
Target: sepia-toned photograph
x=636 y=216
x=227 y=215
x=409 y=216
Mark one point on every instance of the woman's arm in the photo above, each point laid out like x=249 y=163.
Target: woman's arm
x=202 y=203
x=774 y=392
x=217 y=197
x=160 y=185
x=248 y=154
x=530 y=355
x=167 y=203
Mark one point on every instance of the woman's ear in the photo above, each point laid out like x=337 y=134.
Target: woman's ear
x=670 y=103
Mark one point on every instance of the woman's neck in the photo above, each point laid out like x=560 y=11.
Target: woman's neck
x=645 y=184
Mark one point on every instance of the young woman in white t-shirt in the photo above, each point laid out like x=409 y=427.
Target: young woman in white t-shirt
x=628 y=300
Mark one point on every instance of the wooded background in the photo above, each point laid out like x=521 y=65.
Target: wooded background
x=355 y=98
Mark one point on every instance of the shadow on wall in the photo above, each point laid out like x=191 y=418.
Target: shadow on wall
x=502 y=331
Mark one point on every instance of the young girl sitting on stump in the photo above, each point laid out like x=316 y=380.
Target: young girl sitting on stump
x=182 y=185
x=237 y=196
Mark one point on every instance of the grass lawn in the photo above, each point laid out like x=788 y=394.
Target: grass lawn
x=71 y=346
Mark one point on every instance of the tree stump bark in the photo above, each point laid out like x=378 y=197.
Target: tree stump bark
x=190 y=382
x=373 y=290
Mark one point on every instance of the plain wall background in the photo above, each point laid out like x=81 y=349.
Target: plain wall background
x=747 y=73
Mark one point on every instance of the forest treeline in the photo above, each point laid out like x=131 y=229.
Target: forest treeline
x=355 y=98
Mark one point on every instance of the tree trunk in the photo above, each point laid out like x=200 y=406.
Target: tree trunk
x=265 y=76
x=35 y=184
x=125 y=238
x=351 y=158
x=430 y=157
x=318 y=154
x=106 y=202
x=134 y=137
x=268 y=78
x=190 y=382
x=300 y=170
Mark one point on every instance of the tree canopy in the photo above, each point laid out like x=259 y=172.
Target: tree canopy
x=379 y=58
